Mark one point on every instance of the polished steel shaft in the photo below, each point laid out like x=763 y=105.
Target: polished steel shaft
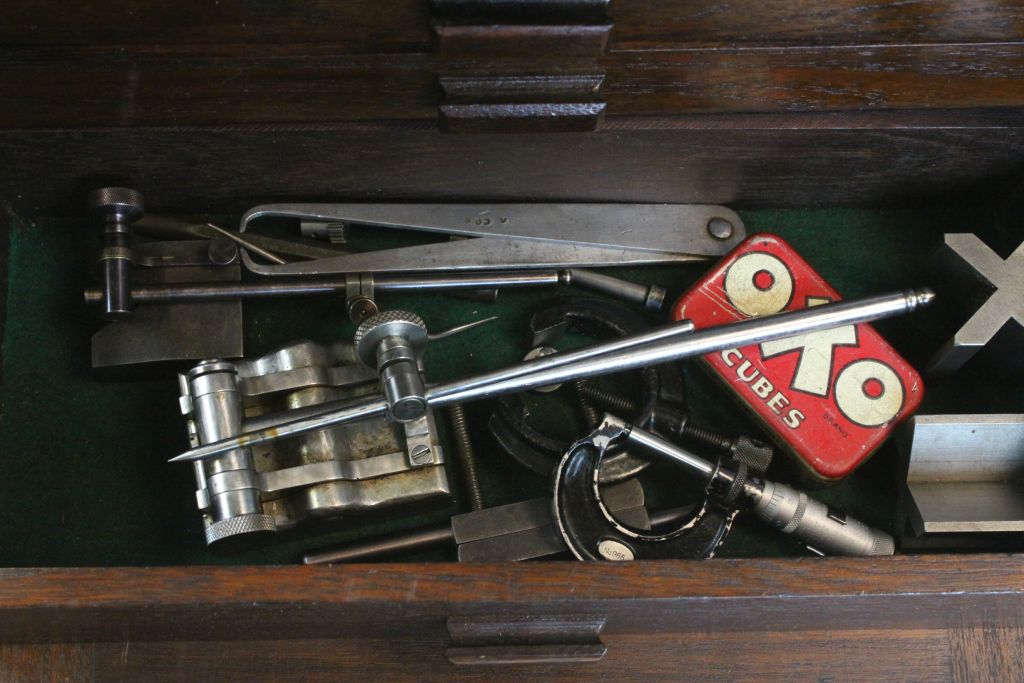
x=625 y=353
x=269 y=428
x=216 y=291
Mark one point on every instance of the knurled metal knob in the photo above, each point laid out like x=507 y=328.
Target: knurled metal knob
x=237 y=526
x=123 y=203
x=118 y=207
x=392 y=342
x=380 y=326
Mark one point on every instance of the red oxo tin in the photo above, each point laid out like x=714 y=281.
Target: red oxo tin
x=830 y=397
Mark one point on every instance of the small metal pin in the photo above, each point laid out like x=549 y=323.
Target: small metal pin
x=247 y=245
x=720 y=228
x=452 y=331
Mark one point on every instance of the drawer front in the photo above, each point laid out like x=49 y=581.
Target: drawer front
x=497 y=66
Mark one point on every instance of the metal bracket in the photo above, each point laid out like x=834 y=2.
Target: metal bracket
x=966 y=473
x=179 y=331
x=275 y=481
x=419 y=444
x=526 y=530
x=359 y=297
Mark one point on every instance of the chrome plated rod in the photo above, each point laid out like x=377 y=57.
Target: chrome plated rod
x=418 y=539
x=730 y=336
x=279 y=419
x=301 y=420
x=670 y=451
x=631 y=353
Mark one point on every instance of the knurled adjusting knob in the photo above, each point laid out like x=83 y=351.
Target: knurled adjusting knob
x=389 y=324
x=393 y=342
x=118 y=207
x=120 y=203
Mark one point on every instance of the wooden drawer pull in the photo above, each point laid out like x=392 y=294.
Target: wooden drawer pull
x=525 y=640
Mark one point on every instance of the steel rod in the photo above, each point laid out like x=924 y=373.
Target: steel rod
x=649 y=296
x=418 y=539
x=279 y=425
x=278 y=419
x=629 y=354
x=216 y=291
x=669 y=450
x=244 y=242
x=730 y=336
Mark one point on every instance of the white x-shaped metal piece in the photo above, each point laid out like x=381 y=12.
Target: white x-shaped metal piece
x=1005 y=304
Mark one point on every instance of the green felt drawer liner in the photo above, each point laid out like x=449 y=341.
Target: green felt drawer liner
x=83 y=472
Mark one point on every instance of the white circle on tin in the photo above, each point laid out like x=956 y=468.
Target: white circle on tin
x=854 y=394
x=758 y=284
x=615 y=551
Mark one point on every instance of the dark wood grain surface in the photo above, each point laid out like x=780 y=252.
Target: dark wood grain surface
x=861 y=620
x=409 y=601
x=83 y=86
x=404 y=25
x=815 y=79
x=219 y=106
x=750 y=160
x=961 y=655
x=661 y=24
x=354 y=26
x=88 y=86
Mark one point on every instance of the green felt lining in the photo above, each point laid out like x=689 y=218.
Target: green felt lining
x=84 y=478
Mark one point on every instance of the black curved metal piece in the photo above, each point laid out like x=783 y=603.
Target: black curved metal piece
x=510 y=423
x=592 y=532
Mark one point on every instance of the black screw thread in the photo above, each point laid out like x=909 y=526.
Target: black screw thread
x=467 y=457
x=686 y=429
x=590 y=414
x=706 y=436
x=608 y=400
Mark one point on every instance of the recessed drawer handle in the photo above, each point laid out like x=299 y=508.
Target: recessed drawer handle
x=525 y=640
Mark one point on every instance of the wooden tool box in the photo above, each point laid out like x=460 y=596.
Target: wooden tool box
x=221 y=106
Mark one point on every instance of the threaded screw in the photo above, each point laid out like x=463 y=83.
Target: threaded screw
x=467 y=457
x=608 y=400
x=590 y=413
x=611 y=400
x=706 y=436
